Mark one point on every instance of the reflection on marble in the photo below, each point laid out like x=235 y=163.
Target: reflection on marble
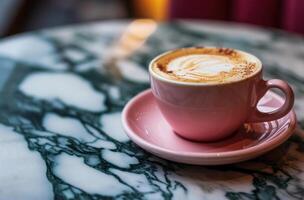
x=61 y=135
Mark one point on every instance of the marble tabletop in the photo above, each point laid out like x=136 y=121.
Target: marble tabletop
x=60 y=110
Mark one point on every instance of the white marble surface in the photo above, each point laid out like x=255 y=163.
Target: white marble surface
x=60 y=130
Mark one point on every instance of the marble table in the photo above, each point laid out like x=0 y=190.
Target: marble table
x=60 y=109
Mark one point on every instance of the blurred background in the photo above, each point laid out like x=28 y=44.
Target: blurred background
x=24 y=15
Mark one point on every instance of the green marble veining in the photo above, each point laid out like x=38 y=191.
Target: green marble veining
x=95 y=160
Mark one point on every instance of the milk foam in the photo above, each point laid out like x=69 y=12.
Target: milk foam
x=206 y=65
x=190 y=66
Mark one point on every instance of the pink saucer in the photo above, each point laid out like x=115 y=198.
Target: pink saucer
x=144 y=124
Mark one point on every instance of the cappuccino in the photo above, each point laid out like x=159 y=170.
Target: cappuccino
x=206 y=65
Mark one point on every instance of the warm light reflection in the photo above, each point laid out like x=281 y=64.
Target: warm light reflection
x=134 y=37
x=155 y=9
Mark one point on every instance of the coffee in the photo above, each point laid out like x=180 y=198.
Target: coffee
x=189 y=86
x=206 y=65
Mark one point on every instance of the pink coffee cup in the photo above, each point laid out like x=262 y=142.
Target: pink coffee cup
x=210 y=112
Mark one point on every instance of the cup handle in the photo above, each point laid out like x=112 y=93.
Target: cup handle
x=258 y=116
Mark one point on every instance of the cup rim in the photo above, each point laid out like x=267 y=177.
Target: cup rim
x=160 y=78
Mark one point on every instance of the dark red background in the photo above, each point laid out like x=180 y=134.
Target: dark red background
x=285 y=14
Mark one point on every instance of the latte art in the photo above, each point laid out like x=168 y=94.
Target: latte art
x=206 y=65
x=195 y=66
